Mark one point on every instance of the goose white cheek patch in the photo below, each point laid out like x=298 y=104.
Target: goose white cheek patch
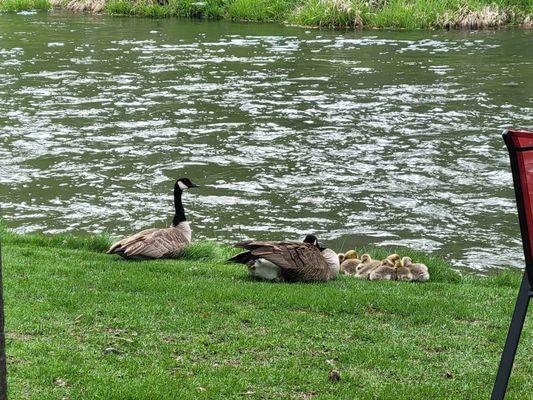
x=182 y=185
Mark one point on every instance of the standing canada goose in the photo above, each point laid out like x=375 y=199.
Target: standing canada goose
x=350 y=263
x=159 y=243
x=402 y=272
x=305 y=261
x=367 y=265
x=386 y=271
x=419 y=271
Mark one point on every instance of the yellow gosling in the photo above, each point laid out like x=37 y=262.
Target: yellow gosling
x=366 y=267
x=351 y=254
x=349 y=266
x=403 y=273
x=385 y=271
x=419 y=271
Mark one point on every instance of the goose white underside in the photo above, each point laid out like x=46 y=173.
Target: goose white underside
x=264 y=269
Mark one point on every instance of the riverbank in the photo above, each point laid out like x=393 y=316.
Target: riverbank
x=82 y=324
x=347 y=14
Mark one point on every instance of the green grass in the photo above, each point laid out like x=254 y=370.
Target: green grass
x=260 y=10
x=85 y=325
x=24 y=5
x=327 y=14
x=345 y=14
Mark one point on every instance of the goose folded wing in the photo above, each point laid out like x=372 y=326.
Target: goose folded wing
x=162 y=243
x=130 y=240
x=293 y=256
x=253 y=244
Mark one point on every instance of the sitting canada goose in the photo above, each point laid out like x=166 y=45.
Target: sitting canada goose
x=402 y=272
x=367 y=265
x=419 y=271
x=159 y=243
x=289 y=261
x=350 y=263
x=385 y=271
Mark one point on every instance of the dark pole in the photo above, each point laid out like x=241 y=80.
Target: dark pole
x=3 y=367
x=511 y=343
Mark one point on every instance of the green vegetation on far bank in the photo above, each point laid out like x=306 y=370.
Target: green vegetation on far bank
x=24 y=5
x=83 y=324
x=400 y=14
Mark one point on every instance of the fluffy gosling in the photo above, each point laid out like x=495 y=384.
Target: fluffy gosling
x=402 y=272
x=366 y=266
x=419 y=271
x=385 y=271
x=350 y=263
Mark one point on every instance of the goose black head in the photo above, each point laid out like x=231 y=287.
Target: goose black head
x=314 y=241
x=184 y=184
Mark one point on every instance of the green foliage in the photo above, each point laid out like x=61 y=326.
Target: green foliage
x=83 y=323
x=260 y=10
x=328 y=14
x=24 y=5
x=398 y=14
x=178 y=8
x=119 y=7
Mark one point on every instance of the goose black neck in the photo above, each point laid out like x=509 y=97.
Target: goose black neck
x=179 y=215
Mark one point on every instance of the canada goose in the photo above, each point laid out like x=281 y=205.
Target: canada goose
x=350 y=263
x=367 y=265
x=159 y=243
x=419 y=271
x=402 y=272
x=289 y=261
x=385 y=271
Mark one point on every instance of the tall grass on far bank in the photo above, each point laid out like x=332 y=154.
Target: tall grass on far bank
x=327 y=14
x=24 y=5
x=345 y=14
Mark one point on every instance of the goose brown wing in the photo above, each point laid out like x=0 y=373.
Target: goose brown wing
x=161 y=243
x=117 y=247
x=301 y=261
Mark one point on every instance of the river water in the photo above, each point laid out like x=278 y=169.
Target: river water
x=373 y=137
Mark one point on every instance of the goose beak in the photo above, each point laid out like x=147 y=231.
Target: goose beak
x=194 y=185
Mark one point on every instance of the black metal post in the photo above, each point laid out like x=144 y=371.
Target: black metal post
x=513 y=337
x=3 y=366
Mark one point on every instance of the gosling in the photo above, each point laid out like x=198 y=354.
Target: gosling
x=419 y=271
x=365 y=268
x=350 y=263
x=402 y=272
x=386 y=271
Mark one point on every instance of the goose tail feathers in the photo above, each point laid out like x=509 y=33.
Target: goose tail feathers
x=242 y=258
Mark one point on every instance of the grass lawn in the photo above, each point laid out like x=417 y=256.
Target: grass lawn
x=86 y=325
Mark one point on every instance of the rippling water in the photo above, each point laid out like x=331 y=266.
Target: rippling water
x=387 y=138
